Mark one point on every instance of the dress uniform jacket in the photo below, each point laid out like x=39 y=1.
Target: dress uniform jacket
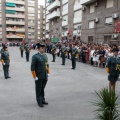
x=113 y=68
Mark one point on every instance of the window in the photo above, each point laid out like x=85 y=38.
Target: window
x=92 y=8
x=77 y=1
x=78 y=13
x=108 y=20
x=91 y=24
x=65 y=7
x=65 y=18
x=109 y=3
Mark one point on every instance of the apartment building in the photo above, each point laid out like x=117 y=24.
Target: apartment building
x=19 y=20
x=63 y=19
x=101 y=21
x=41 y=23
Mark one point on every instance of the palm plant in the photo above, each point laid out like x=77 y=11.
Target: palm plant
x=107 y=105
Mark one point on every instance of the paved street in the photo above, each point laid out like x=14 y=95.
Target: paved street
x=68 y=92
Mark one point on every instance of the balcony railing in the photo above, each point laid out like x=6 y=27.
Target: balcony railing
x=53 y=5
x=47 y=36
x=15 y=16
x=31 y=18
x=16 y=29
x=16 y=2
x=65 y=12
x=31 y=5
x=15 y=36
x=85 y=2
x=15 y=23
x=0 y=29
x=64 y=23
x=77 y=19
x=31 y=30
x=54 y=14
x=77 y=6
x=15 y=8
x=31 y=37
x=77 y=32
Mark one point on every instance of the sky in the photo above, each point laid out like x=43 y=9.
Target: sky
x=41 y=2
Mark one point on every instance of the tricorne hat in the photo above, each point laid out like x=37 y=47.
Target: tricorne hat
x=115 y=49
x=40 y=45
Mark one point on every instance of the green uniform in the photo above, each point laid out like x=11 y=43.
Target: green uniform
x=114 y=68
x=27 y=52
x=53 y=52
x=6 y=62
x=63 y=54
x=73 y=57
x=39 y=65
x=22 y=49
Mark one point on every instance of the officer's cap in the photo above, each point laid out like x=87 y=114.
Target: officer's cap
x=4 y=47
x=115 y=50
x=40 y=45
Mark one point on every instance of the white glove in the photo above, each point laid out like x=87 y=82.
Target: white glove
x=36 y=78
x=48 y=75
x=3 y=63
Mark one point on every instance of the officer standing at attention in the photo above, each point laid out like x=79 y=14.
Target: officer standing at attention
x=53 y=52
x=113 y=69
x=63 y=53
x=27 y=52
x=74 y=55
x=22 y=49
x=40 y=70
x=5 y=58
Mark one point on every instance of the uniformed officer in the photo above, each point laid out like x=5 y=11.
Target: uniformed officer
x=27 y=52
x=5 y=58
x=63 y=53
x=22 y=49
x=40 y=70
x=53 y=52
x=113 y=69
x=74 y=55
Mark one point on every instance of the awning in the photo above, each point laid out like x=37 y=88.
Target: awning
x=10 y=4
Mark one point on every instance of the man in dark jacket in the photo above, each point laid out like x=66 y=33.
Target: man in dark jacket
x=5 y=59
x=40 y=71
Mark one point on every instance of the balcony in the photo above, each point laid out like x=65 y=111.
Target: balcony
x=31 y=5
x=85 y=2
x=47 y=27
x=64 y=1
x=44 y=32
x=43 y=27
x=77 y=6
x=15 y=23
x=31 y=30
x=15 y=16
x=16 y=2
x=64 y=23
x=31 y=11
x=0 y=36
x=65 y=12
x=53 y=5
x=31 y=18
x=47 y=36
x=31 y=24
x=77 y=19
x=15 y=36
x=31 y=37
x=0 y=29
x=53 y=15
x=64 y=34
x=16 y=29
x=77 y=33
x=16 y=9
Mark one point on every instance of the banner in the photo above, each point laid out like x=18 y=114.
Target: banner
x=117 y=27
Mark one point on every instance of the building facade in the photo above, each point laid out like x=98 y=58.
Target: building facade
x=63 y=19
x=99 y=21
x=19 y=20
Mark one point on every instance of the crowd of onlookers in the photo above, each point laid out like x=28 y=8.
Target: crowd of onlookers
x=93 y=54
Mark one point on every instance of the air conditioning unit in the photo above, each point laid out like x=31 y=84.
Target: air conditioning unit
x=96 y=4
x=96 y=20
x=114 y=16
x=83 y=8
x=114 y=36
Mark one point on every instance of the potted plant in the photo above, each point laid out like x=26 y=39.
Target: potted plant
x=107 y=105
